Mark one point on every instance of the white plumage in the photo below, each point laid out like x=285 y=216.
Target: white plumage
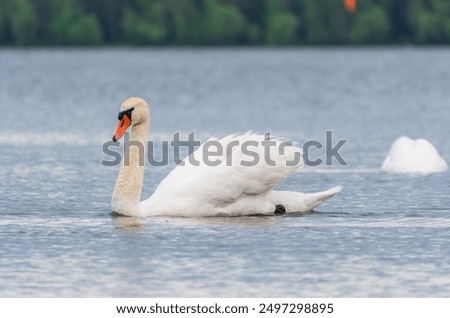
x=236 y=181
x=413 y=156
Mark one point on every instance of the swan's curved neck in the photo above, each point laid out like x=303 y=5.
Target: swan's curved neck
x=127 y=191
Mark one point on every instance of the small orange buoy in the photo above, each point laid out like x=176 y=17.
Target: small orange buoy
x=350 y=5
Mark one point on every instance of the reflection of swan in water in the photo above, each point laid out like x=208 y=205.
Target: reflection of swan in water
x=126 y=223
x=135 y=224
x=242 y=221
x=229 y=188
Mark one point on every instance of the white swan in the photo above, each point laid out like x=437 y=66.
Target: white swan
x=413 y=156
x=227 y=189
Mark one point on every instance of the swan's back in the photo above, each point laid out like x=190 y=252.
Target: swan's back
x=244 y=168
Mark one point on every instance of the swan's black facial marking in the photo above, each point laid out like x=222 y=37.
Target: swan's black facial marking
x=126 y=112
x=280 y=209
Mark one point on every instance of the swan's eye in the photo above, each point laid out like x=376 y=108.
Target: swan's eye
x=126 y=112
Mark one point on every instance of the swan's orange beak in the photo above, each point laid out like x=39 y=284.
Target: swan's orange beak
x=124 y=123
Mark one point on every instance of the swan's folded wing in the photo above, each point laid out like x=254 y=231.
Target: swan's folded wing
x=248 y=164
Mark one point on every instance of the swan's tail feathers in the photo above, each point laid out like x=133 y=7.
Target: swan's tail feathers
x=319 y=197
x=294 y=202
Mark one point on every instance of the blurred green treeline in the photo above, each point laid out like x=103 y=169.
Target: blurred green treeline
x=222 y=22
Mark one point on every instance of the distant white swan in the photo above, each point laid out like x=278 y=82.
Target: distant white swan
x=227 y=189
x=413 y=156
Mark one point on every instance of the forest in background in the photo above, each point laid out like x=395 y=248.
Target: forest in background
x=222 y=22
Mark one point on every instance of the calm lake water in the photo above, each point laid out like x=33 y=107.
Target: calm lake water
x=382 y=236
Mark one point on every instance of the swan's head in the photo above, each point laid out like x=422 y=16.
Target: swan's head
x=134 y=111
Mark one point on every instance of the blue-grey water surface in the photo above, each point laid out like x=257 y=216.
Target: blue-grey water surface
x=384 y=235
